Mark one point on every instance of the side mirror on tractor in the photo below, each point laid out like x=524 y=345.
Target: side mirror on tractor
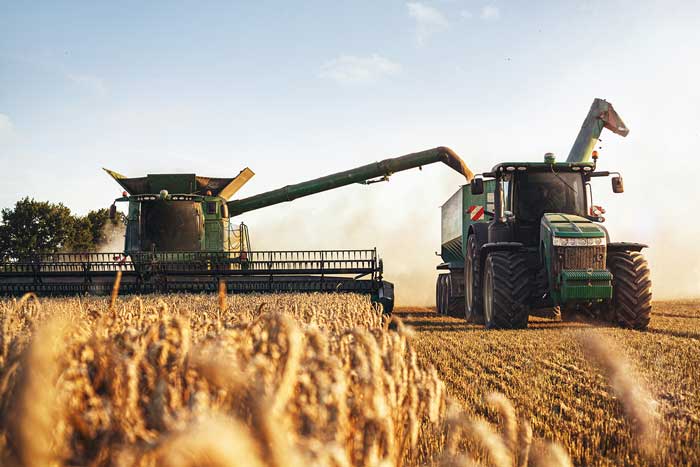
x=113 y=212
x=617 y=185
x=477 y=186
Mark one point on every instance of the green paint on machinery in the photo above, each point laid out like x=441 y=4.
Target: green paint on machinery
x=526 y=237
x=181 y=235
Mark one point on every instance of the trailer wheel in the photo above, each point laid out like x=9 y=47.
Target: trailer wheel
x=455 y=305
x=506 y=290
x=439 y=294
x=473 y=307
x=631 y=303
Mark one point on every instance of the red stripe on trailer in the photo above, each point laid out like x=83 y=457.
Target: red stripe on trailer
x=477 y=213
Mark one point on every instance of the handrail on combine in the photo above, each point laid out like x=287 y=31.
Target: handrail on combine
x=288 y=262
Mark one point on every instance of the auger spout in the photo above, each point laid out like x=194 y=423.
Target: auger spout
x=601 y=115
x=363 y=174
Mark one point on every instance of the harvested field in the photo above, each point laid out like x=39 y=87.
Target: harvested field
x=546 y=371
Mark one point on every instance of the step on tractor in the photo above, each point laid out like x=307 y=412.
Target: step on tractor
x=526 y=237
x=183 y=235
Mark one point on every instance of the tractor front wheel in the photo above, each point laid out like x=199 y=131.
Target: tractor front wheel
x=506 y=291
x=631 y=303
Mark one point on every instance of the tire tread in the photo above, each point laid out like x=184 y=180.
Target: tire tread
x=631 y=289
x=512 y=287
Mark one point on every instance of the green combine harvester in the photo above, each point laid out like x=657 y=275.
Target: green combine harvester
x=526 y=237
x=181 y=236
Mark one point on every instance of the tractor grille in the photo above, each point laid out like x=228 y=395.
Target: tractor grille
x=578 y=257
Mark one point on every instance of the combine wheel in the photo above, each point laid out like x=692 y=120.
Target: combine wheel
x=473 y=309
x=506 y=290
x=631 y=303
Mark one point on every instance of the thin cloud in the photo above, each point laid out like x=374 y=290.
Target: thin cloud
x=466 y=14
x=429 y=21
x=490 y=12
x=350 y=69
x=7 y=128
x=90 y=82
x=51 y=64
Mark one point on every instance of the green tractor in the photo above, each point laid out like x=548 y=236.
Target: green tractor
x=526 y=237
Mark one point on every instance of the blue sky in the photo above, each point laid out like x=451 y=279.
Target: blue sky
x=296 y=90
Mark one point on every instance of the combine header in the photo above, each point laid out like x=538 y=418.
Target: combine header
x=181 y=237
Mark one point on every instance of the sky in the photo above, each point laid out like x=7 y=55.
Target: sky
x=297 y=90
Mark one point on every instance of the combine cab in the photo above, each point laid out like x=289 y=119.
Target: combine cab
x=181 y=237
x=526 y=236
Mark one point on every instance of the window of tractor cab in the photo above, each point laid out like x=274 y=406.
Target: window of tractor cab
x=537 y=193
x=506 y=190
x=211 y=207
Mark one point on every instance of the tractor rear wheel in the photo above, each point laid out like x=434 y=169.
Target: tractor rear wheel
x=473 y=308
x=631 y=302
x=506 y=290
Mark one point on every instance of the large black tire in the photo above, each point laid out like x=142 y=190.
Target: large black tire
x=631 y=303
x=440 y=294
x=506 y=290
x=473 y=306
x=455 y=305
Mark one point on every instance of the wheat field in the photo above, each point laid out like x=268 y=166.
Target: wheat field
x=313 y=379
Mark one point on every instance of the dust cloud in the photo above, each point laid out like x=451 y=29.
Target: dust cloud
x=675 y=264
x=113 y=238
x=402 y=220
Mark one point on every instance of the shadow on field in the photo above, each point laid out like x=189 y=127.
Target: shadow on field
x=417 y=314
x=432 y=322
x=440 y=326
x=673 y=315
x=670 y=332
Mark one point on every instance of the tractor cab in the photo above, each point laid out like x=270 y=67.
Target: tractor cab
x=524 y=193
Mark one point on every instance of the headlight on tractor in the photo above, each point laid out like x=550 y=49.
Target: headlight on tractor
x=566 y=241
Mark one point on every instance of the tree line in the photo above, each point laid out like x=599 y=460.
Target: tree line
x=42 y=227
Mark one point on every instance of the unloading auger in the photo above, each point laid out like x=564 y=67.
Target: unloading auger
x=181 y=236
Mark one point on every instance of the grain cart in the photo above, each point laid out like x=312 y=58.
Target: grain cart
x=181 y=237
x=527 y=236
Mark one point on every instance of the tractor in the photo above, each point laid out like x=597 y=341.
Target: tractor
x=526 y=237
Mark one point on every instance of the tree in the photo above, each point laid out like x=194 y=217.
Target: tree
x=43 y=227
x=81 y=239
x=99 y=220
x=35 y=226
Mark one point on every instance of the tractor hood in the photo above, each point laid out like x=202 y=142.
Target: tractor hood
x=569 y=225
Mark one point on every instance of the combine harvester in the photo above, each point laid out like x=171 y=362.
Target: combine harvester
x=181 y=237
x=526 y=236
